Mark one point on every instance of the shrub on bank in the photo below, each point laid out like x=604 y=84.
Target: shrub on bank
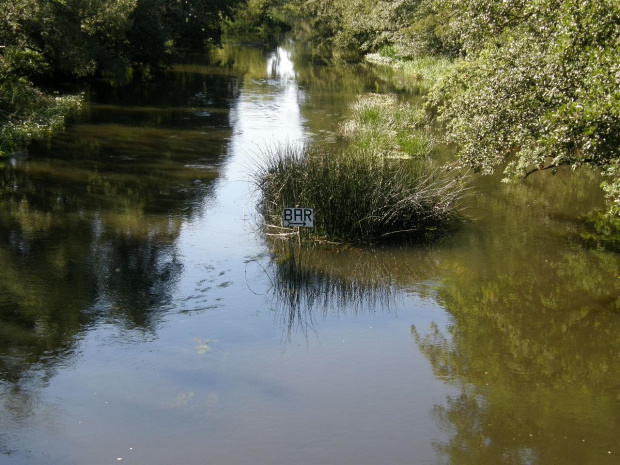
x=27 y=113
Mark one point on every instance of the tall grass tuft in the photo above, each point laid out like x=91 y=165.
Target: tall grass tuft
x=382 y=124
x=428 y=68
x=357 y=196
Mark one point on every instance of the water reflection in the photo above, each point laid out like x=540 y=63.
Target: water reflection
x=534 y=330
x=134 y=217
x=332 y=88
x=535 y=356
x=310 y=282
x=89 y=219
x=534 y=335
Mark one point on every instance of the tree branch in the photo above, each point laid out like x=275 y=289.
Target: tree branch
x=585 y=161
x=540 y=169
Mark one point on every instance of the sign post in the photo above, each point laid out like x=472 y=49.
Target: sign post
x=300 y=217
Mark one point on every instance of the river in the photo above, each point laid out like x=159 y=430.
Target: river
x=144 y=318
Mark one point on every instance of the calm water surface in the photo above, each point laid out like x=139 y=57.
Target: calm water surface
x=144 y=318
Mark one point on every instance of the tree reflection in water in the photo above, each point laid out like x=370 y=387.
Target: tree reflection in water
x=535 y=355
x=66 y=269
x=89 y=219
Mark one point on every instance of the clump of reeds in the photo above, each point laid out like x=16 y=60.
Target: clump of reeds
x=380 y=184
x=358 y=196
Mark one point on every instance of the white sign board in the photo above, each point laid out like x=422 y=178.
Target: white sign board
x=303 y=217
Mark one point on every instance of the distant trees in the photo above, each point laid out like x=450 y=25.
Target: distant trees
x=256 y=19
x=351 y=27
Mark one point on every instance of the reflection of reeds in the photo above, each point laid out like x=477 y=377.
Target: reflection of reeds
x=305 y=286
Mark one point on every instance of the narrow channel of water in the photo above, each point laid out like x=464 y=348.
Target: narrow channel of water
x=144 y=318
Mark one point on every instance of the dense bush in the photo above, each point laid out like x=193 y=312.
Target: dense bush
x=539 y=87
x=26 y=112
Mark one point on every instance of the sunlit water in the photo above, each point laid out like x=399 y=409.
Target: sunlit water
x=145 y=322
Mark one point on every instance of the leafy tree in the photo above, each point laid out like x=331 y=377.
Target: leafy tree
x=538 y=87
x=150 y=37
x=197 y=21
x=43 y=42
x=256 y=19
x=70 y=37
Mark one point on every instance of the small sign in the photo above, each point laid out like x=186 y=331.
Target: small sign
x=303 y=217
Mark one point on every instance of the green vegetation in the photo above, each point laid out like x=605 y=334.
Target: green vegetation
x=383 y=125
x=379 y=185
x=45 y=43
x=255 y=21
x=533 y=85
x=349 y=28
x=26 y=112
x=357 y=195
x=538 y=88
x=427 y=68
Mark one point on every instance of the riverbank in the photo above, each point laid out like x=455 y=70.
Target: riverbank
x=48 y=46
x=533 y=87
x=599 y=229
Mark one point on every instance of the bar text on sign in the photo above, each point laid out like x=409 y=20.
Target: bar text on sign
x=301 y=217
